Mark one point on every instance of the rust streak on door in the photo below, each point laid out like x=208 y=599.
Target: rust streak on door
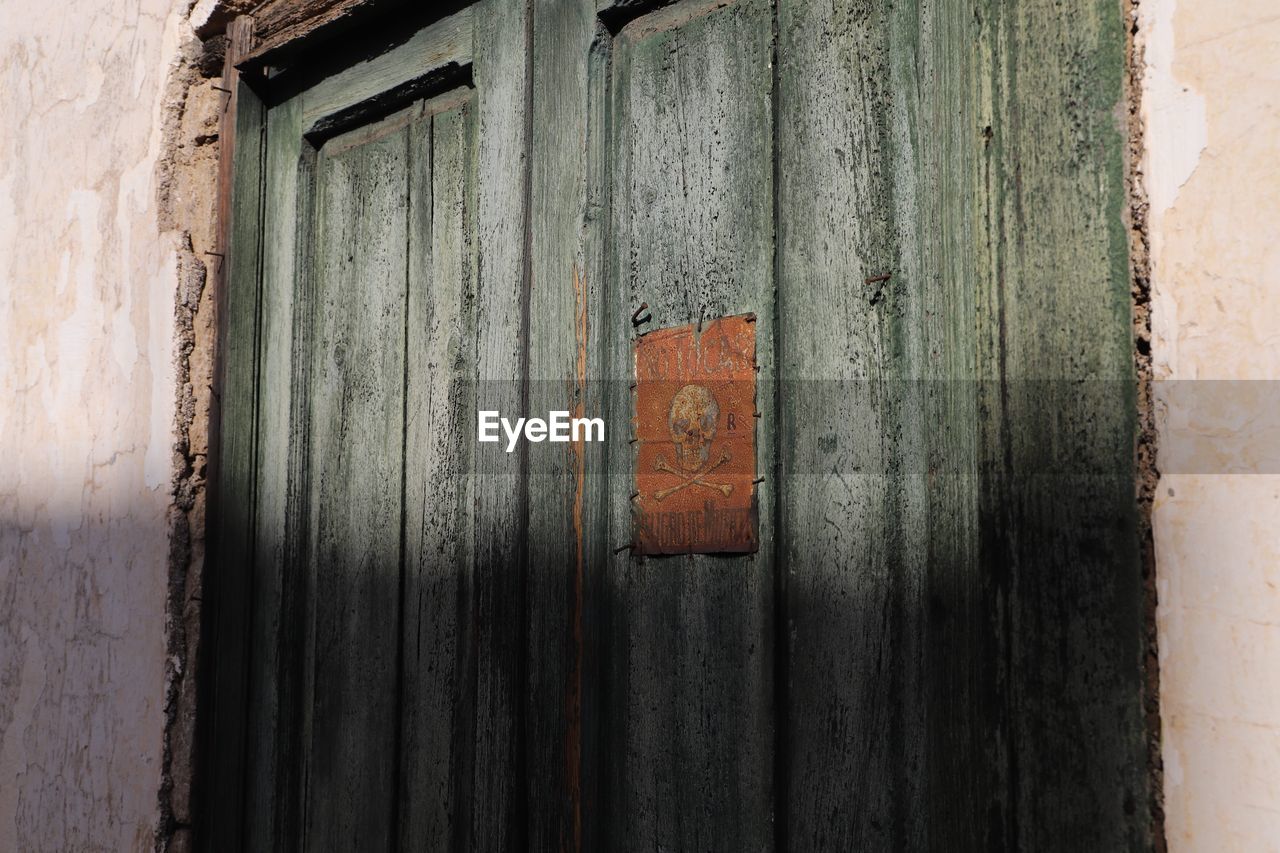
x=573 y=746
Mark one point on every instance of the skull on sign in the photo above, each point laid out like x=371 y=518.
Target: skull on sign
x=692 y=421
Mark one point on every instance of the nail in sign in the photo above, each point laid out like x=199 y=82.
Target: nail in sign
x=695 y=405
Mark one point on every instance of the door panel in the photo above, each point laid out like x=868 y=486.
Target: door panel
x=438 y=659
x=690 y=182
x=356 y=475
x=359 y=647
x=390 y=476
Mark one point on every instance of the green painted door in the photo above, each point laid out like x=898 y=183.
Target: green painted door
x=422 y=642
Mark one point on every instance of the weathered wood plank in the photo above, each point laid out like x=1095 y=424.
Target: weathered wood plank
x=297 y=634
x=275 y=436
x=282 y=25
x=501 y=501
x=447 y=42
x=605 y=335
x=356 y=474
x=934 y=147
x=278 y=19
x=437 y=667
x=1065 y=502
x=854 y=715
x=314 y=31
x=232 y=464
x=564 y=543
x=690 y=725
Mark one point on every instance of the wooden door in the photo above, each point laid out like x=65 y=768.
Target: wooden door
x=422 y=642
x=377 y=201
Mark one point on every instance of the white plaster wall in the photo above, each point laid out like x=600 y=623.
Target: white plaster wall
x=1211 y=104
x=87 y=287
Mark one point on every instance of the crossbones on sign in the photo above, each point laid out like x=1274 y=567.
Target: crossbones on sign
x=694 y=478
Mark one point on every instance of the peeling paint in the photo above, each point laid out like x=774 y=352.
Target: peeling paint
x=1173 y=111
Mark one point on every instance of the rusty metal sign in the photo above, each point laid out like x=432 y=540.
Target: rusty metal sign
x=695 y=429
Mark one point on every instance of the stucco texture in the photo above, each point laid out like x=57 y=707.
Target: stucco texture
x=87 y=401
x=1211 y=106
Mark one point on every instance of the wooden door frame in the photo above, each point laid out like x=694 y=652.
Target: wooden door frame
x=277 y=31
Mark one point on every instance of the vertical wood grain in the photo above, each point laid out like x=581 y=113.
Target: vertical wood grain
x=356 y=475
x=1064 y=501
x=436 y=699
x=295 y=687
x=501 y=506
x=854 y=713
x=566 y=538
x=231 y=497
x=275 y=399
x=691 y=183
x=993 y=700
x=934 y=150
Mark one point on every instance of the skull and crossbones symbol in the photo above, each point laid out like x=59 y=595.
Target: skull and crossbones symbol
x=692 y=422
